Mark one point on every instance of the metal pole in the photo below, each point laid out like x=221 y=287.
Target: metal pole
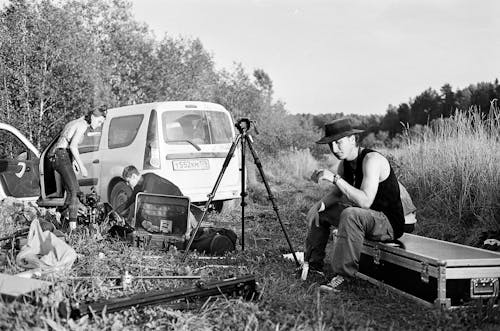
x=243 y=192
x=244 y=286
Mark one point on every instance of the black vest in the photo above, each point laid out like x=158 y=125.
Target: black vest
x=387 y=199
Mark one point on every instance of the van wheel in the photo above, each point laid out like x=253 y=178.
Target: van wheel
x=119 y=194
x=226 y=206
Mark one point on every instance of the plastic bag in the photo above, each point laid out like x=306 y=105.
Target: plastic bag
x=45 y=250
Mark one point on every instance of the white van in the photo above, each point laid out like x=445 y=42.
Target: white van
x=185 y=142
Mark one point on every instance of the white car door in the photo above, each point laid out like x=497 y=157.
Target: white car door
x=89 y=153
x=19 y=161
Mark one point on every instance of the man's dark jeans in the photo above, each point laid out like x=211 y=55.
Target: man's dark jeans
x=317 y=237
x=61 y=162
x=354 y=225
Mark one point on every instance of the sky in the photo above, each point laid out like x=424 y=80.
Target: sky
x=352 y=56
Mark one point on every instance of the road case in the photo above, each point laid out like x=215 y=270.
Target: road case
x=160 y=220
x=433 y=272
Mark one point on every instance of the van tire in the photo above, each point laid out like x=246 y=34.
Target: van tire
x=119 y=194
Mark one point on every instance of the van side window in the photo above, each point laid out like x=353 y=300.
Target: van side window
x=122 y=130
x=91 y=140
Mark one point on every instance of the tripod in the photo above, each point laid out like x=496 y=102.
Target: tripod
x=243 y=126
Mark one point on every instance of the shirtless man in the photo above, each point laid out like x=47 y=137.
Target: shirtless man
x=65 y=150
x=364 y=203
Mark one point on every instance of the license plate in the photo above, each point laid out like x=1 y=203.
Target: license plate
x=198 y=164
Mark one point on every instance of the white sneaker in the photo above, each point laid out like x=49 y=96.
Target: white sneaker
x=333 y=285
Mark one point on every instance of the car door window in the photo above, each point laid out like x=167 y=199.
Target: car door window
x=91 y=140
x=122 y=130
x=11 y=148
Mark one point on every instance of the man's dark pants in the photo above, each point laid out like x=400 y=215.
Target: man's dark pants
x=61 y=162
x=354 y=225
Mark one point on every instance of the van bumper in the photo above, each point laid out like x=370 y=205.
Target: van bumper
x=197 y=196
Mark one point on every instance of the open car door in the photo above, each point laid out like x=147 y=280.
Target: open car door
x=18 y=165
x=52 y=193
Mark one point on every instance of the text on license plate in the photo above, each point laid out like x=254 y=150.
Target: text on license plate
x=198 y=164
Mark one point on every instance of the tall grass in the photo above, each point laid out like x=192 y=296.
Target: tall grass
x=288 y=167
x=452 y=171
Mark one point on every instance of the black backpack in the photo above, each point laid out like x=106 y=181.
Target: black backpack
x=214 y=241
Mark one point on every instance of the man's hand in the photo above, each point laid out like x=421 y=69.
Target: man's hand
x=119 y=220
x=322 y=174
x=80 y=169
x=313 y=214
x=326 y=175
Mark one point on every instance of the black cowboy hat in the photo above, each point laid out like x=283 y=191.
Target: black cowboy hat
x=338 y=129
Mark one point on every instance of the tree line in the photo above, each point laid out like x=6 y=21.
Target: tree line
x=59 y=59
x=415 y=115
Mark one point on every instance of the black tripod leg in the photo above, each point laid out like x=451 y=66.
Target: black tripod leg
x=270 y=195
x=243 y=192
x=212 y=194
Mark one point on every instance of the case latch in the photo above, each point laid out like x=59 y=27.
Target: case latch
x=483 y=288
x=424 y=272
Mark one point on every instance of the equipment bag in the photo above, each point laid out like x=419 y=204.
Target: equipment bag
x=214 y=241
x=409 y=209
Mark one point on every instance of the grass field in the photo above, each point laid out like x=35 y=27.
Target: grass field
x=285 y=302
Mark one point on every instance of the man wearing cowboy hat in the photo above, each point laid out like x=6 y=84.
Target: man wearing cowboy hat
x=364 y=203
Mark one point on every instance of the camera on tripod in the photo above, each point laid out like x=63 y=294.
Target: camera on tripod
x=90 y=200
x=243 y=124
x=93 y=212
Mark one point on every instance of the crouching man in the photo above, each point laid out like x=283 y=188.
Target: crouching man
x=364 y=203
x=148 y=183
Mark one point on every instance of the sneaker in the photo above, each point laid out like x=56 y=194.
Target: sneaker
x=333 y=285
x=312 y=272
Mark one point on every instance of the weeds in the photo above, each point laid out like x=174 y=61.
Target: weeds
x=441 y=179
x=452 y=172
x=287 y=167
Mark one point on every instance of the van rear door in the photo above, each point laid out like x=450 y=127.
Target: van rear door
x=195 y=144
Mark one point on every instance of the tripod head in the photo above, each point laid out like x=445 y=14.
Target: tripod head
x=244 y=124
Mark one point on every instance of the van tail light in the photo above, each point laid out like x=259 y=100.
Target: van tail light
x=152 y=150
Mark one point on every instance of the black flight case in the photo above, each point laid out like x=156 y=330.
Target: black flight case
x=433 y=272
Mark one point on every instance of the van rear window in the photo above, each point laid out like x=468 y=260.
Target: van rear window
x=199 y=127
x=122 y=130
